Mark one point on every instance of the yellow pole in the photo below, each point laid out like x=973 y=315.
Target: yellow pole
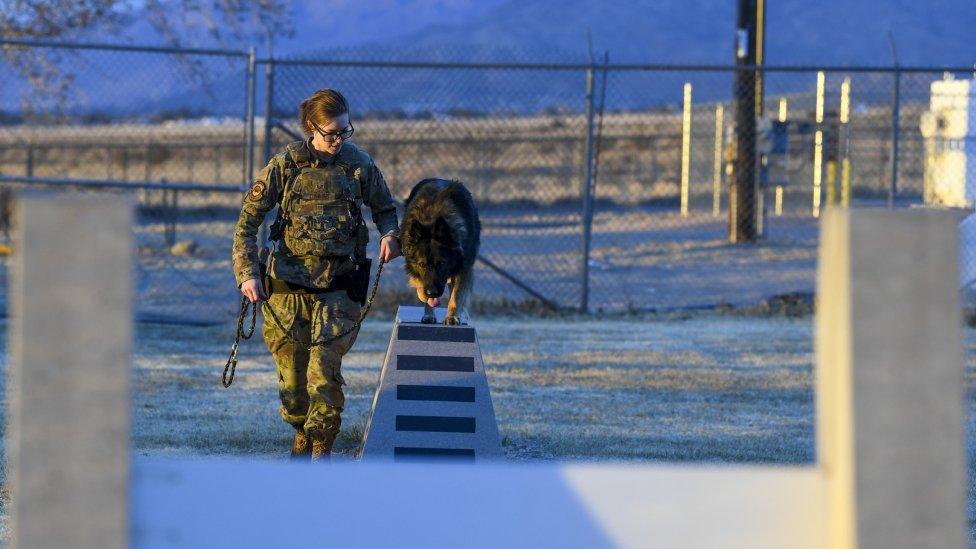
x=845 y=160
x=820 y=96
x=685 y=148
x=845 y=100
x=783 y=112
x=717 y=169
x=817 y=171
x=818 y=146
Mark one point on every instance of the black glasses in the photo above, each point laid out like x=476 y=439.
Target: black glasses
x=343 y=134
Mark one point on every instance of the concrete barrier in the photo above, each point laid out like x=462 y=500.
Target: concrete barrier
x=889 y=379
x=68 y=391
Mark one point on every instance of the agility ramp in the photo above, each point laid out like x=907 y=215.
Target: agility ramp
x=432 y=400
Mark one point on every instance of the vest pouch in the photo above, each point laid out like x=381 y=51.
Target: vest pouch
x=321 y=235
x=321 y=221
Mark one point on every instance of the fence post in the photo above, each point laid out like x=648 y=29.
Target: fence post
x=895 y=131
x=717 y=166
x=268 y=106
x=29 y=166
x=147 y=176
x=268 y=125
x=587 y=195
x=249 y=118
x=175 y=214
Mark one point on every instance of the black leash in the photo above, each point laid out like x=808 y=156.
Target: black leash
x=232 y=361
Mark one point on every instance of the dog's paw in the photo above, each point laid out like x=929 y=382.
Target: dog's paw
x=452 y=320
x=428 y=319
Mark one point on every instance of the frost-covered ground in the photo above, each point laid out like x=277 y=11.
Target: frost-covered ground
x=703 y=387
x=718 y=388
x=642 y=257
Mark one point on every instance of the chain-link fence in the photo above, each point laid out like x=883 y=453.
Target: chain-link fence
x=514 y=135
x=600 y=187
x=163 y=127
x=697 y=208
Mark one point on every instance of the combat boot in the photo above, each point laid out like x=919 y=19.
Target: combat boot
x=322 y=448
x=301 y=446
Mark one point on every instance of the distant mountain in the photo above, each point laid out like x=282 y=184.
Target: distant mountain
x=799 y=32
x=337 y=24
x=839 y=32
x=835 y=32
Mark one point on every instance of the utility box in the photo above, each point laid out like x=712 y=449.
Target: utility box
x=949 y=129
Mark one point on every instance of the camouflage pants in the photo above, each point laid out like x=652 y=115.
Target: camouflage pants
x=309 y=378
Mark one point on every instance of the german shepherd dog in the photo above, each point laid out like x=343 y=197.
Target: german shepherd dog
x=441 y=233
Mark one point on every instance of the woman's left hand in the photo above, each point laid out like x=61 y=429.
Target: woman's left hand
x=389 y=248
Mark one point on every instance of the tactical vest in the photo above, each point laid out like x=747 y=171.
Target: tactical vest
x=320 y=211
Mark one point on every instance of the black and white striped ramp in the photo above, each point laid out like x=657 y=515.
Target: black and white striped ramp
x=432 y=401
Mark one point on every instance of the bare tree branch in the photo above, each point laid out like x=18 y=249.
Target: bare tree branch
x=224 y=23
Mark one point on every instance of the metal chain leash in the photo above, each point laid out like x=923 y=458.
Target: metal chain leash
x=232 y=361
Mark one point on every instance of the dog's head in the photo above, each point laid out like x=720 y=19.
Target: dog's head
x=432 y=253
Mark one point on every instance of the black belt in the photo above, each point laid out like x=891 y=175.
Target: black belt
x=341 y=282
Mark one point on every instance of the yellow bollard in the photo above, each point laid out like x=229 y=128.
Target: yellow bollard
x=685 y=148
x=817 y=171
x=818 y=145
x=845 y=162
x=717 y=169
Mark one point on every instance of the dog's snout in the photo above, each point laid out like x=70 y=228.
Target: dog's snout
x=429 y=292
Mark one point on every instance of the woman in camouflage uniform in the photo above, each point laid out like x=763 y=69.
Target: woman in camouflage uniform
x=319 y=247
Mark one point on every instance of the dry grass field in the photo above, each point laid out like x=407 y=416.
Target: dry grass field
x=537 y=159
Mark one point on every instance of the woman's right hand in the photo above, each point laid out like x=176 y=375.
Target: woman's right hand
x=252 y=289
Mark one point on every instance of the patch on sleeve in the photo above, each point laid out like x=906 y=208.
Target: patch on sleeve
x=257 y=191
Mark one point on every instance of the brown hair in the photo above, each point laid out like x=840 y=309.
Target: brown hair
x=323 y=105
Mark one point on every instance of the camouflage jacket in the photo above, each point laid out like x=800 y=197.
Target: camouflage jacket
x=324 y=233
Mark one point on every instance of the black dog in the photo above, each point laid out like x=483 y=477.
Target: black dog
x=440 y=235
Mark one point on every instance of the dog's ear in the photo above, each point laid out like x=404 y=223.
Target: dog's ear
x=442 y=232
